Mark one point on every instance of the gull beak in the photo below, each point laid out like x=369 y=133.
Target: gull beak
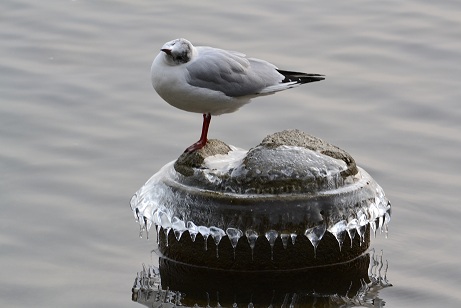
x=166 y=50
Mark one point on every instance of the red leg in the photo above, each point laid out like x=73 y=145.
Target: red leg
x=203 y=138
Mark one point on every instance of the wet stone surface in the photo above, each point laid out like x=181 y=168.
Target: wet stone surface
x=286 y=162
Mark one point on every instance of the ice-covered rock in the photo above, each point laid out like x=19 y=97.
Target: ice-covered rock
x=291 y=185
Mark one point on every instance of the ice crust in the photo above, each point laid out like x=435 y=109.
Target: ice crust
x=287 y=169
x=211 y=204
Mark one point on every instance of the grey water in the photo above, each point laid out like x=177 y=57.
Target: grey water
x=81 y=129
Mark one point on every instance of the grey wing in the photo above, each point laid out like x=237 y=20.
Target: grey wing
x=231 y=73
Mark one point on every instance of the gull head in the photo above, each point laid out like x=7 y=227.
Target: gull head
x=178 y=51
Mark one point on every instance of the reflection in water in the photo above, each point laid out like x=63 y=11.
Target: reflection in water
x=357 y=282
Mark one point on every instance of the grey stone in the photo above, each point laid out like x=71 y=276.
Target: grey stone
x=286 y=162
x=299 y=138
x=186 y=163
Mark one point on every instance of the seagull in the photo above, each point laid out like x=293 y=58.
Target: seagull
x=213 y=81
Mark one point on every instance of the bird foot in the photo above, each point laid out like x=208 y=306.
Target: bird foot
x=196 y=146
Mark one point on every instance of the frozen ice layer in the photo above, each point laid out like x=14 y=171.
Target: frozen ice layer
x=290 y=190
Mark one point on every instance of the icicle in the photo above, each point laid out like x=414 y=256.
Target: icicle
x=147 y=224
x=380 y=223
x=271 y=236
x=339 y=231
x=178 y=227
x=284 y=237
x=352 y=229
x=373 y=227
x=158 y=234
x=193 y=230
x=234 y=235
x=387 y=218
x=164 y=219
x=167 y=231
x=165 y=222
x=314 y=235
x=252 y=236
x=217 y=234
x=293 y=238
x=157 y=224
x=205 y=232
x=362 y=225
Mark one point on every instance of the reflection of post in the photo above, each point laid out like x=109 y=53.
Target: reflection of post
x=248 y=204
x=344 y=284
x=260 y=287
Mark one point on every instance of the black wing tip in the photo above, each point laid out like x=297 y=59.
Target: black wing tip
x=300 y=77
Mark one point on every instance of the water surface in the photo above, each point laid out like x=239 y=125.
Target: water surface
x=81 y=129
